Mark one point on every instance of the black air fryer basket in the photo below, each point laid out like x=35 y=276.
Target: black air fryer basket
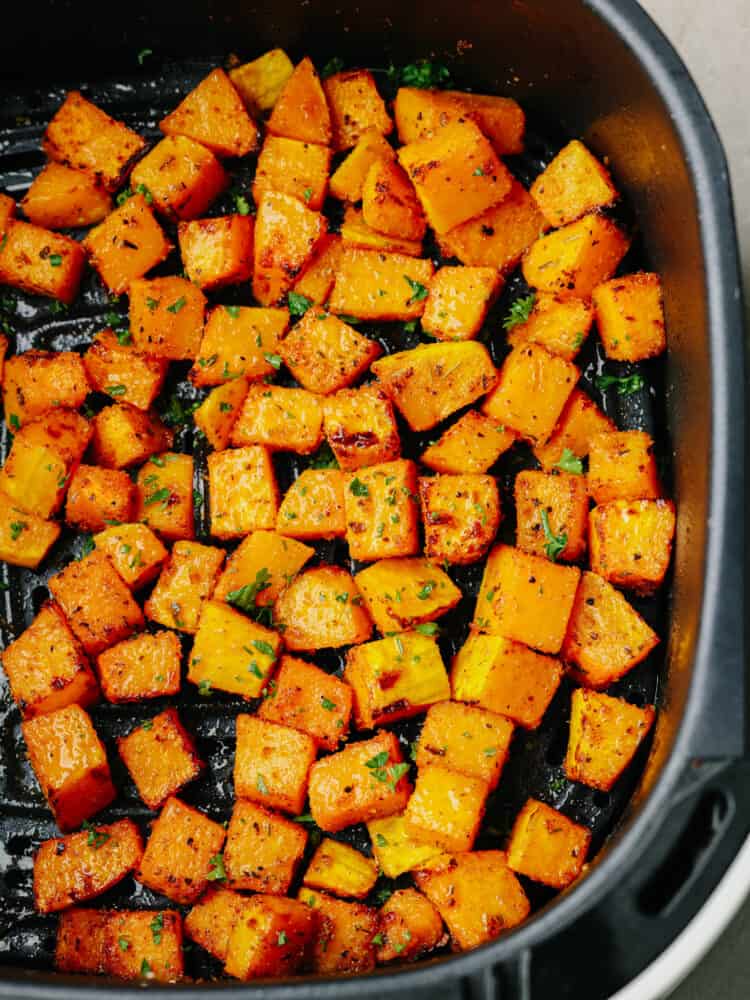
x=598 y=70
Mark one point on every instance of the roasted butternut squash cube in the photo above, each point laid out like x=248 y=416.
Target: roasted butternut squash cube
x=421 y=113
x=35 y=475
x=389 y=202
x=127 y=244
x=531 y=392
x=505 y=677
x=286 y=235
x=282 y=419
x=356 y=106
x=308 y=699
x=364 y=781
x=126 y=436
x=39 y=261
x=165 y=503
x=313 y=506
x=605 y=733
x=97 y=497
x=459 y=300
x=395 y=849
x=231 y=652
x=124 y=373
x=213 y=114
x=546 y=846
x=355 y=232
x=321 y=609
x=260 y=82
x=469 y=740
x=145 y=945
x=70 y=764
x=271 y=764
x=431 y=381
x=239 y=341
x=186 y=582
x=381 y=511
x=62 y=430
x=98 y=605
x=477 y=895
x=263 y=849
x=573 y=260
x=557 y=324
x=606 y=636
x=471 y=445
x=25 y=539
x=62 y=198
x=378 y=285
x=37 y=381
x=166 y=317
x=265 y=562
x=461 y=515
x=551 y=514
x=145 y=666
x=410 y=926
x=500 y=236
x=81 y=936
x=47 y=668
x=182 y=177
x=361 y=428
x=178 y=856
x=403 y=594
x=580 y=421
x=622 y=467
x=82 y=136
x=345 y=934
x=631 y=542
x=160 y=757
x=301 y=110
x=218 y=412
x=271 y=937
x=347 y=181
x=456 y=173
x=341 y=870
x=572 y=184
x=134 y=551
x=217 y=251
x=298 y=169
x=630 y=317
x=446 y=808
x=317 y=277
x=526 y=598
x=209 y=923
x=325 y=354
x=81 y=866
x=242 y=489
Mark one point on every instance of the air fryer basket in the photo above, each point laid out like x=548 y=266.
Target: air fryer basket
x=597 y=70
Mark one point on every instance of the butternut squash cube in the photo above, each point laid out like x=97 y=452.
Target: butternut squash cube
x=459 y=300
x=134 y=551
x=431 y=381
x=389 y=202
x=271 y=937
x=446 y=808
x=231 y=652
x=469 y=740
x=182 y=177
x=505 y=677
x=341 y=870
x=364 y=781
x=421 y=113
x=37 y=381
x=165 y=503
x=325 y=354
x=308 y=699
x=39 y=261
x=61 y=430
x=98 y=605
x=286 y=235
x=144 y=945
x=403 y=594
x=271 y=764
x=264 y=561
x=356 y=106
x=560 y=325
x=62 y=198
x=471 y=445
x=282 y=419
x=345 y=934
x=410 y=926
x=572 y=184
x=381 y=511
x=360 y=427
x=218 y=412
x=321 y=609
x=378 y=285
x=35 y=476
x=605 y=733
x=123 y=372
x=47 y=668
x=97 y=496
x=622 y=467
x=546 y=846
x=631 y=542
x=526 y=598
x=551 y=514
x=209 y=923
x=263 y=850
x=239 y=341
x=160 y=757
x=313 y=506
x=580 y=421
x=606 y=636
x=166 y=317
x=355 y=232
x=214 y=115
x=301 y=110
x=347 y=181
x=298 y=169
x=461 y=515
x=127 y=244
x=242 y=490
x=80 y=944
x=630 y=317
x=573 y=260
x=25 y=539
x=531 y=392
x=395 y=849
x=317 y=277
x=186 y=582
x=260 y=82
x=81 y=866
x=477 y=895
x=7 y=211
x=145 y=666
x=395 y=678
x=126 y=436
x=217 y=251
x=70 y=764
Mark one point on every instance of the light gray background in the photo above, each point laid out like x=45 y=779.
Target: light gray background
x=713 y=37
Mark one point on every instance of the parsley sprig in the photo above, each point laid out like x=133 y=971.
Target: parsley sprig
x=555 y=543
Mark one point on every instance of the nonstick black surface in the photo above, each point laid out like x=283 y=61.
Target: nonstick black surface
x=535 y=764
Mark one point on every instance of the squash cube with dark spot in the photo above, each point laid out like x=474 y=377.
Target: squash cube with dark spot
x=572 y=184
x=272 y=763
x=551 y=514
x=134 y=551
x=355 y=107
x=347 y=180
x=165 y=495
x=38 y=381
x=98 y=496
x=145 y=666
x=213 y=114
x=272 y=936
x=217 y=252
x=322 y=609
x=325 y=354
x=471 y=445
x=630 y=317
x=263 y=850
x=382 y=516
x=144 y=945
x=126 y=436
x=622 y=466
x=461 y=515
x=546 y=846
x=573 y=260
x=344 y=934
x=122 y=372
x=161 y=758
x=360 y=427
x=80 y=943
x=389 y=202
x=182 y=177
x=410 y=926
x=317 y=277
x=631 y=542
x=243 y=495
x=301 y=110
x=186 y=582
x=466 y=739
x=127 y=244
x=280 y=418
x=166 y=317
x=286 y=236
x=209 y=923
x=306 y=698
x=403 y=594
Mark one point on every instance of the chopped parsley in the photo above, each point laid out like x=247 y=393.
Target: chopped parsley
x=324 y=458
x=570 y=462
x=233 y=311
x=298 y=304
x=217 y=872
x=555 y=543
x=427 y=628
x=55 y=260
x=96 y=838
x=241 y=204
x=419 y=292
x=334 y=65
x=423 y=73
x=520 y=311
x=143 y=55
x=389 y=774
x=424 y=592
x=328 y=705
x=281 y=939
x=307 y=194
x=204 y=687
x=261 y=785
x=177 y=305
x=626 y=385
x=116 y=390
x=273 y=359
x=358 y=488
x=16 y=528
x=156 y=927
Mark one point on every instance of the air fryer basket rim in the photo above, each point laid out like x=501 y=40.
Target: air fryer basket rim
x=720 y=625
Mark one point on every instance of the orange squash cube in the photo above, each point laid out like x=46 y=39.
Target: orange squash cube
x=243 y=492
x=355 y=107
x=573 y=260
x=239 y=341
x=62 y=198
x=165 y=503
x=345 y=934
x=127 y=244
x=356 y=233
x=389 y=202
x=61 y=430
x=317 y=277
x=166 y=317
x=271 y=937
x=364 y=781
x=182 y=177
x=209 y=923
x=631 y=542
x=35 y=475
x=260 y=82
x=213 y=114
x=557 y=324
x=145 y=666
x=325 y=354
x=301 y=110
x=264 y=561
x=160 y=757
x=572 y=184
x=461 y=515
x=126 y=436
x=410 y=926
x=298 y=169
x=81 y=866
x=395 y=850
x=403 y=594
x=459 y=300
x=286 y=235
x=144 y=945
x=113 y=367
x=217 y=414
x=446 y=808
x=26 y=539
x=70 y=764
x=47 y=668
x=80 y=944
x=313 y=506
x=470 y=446
x=217 y=251
x=187 y=581
x=377 y=285
x=341 y=870
x=271 y=764
x=306 y=698
x=134 y=551
x=347 y=181
x=39 y=261
x=381 y=511
x=361 y=428
x=263 y=850
x=282 y=419
x=622 y=467
x=551 y=514
x=546 y=846
x=462 y=738
x=580 y=421
x=33 y=382
x=97 y=497
x=630 y=317
x=321 y=609
x=605 y=733
x=421 y=113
